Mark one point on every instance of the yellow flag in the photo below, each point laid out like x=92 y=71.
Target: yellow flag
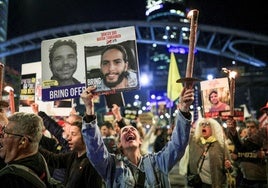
x=173 y=89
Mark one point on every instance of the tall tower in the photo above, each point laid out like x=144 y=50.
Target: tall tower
x=158 y=55
x=3 y=38
x=3 y=22
x=165 y=11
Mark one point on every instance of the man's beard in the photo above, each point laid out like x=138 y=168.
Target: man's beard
x=119 y=80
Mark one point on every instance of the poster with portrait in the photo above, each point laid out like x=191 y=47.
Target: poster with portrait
x=27 y=90
x=112 y=61
x=63 y=69
x=215 y=97
x=69 y=64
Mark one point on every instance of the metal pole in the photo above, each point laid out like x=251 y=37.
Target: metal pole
x=1 y=79
x=232 y=95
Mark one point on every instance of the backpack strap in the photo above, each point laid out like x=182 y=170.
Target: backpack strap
x=50 y=179
x=46 y=168
x=24 y=172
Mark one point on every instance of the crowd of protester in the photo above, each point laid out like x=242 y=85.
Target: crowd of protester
x=82 y=152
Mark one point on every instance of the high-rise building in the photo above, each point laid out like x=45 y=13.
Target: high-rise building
x=3 y=22
x=166 y=11
x=169 y=10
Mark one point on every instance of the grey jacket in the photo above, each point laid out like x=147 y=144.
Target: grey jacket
x=217 y=155
x=118 y=172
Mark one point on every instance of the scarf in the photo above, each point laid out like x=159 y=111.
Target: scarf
x=210 y=139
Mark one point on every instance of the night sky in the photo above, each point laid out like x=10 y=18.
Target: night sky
x=27 y=16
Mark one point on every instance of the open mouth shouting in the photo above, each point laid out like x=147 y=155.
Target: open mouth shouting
x=130 y=137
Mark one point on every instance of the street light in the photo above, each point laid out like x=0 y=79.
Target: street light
x=10 y=91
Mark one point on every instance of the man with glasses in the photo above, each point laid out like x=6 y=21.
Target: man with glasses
x=19 y=142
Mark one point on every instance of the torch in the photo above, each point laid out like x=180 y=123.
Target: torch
x=10 y=91
x=231 y=75
x=189 y=80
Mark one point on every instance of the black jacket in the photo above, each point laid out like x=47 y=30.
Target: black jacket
x=34 y=162
x=79 y=171
x=53 y=127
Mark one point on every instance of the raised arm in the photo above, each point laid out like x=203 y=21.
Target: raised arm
x=52 y=126
x=175 y=148
x=118 y=117
x=96 y=149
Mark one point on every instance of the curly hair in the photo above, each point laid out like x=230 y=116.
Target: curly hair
x=216 y=128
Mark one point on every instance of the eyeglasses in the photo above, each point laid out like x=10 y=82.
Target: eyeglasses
x=204 y=124
x=3 y=132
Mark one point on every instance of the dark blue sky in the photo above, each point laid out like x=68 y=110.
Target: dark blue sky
x=27 y=16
